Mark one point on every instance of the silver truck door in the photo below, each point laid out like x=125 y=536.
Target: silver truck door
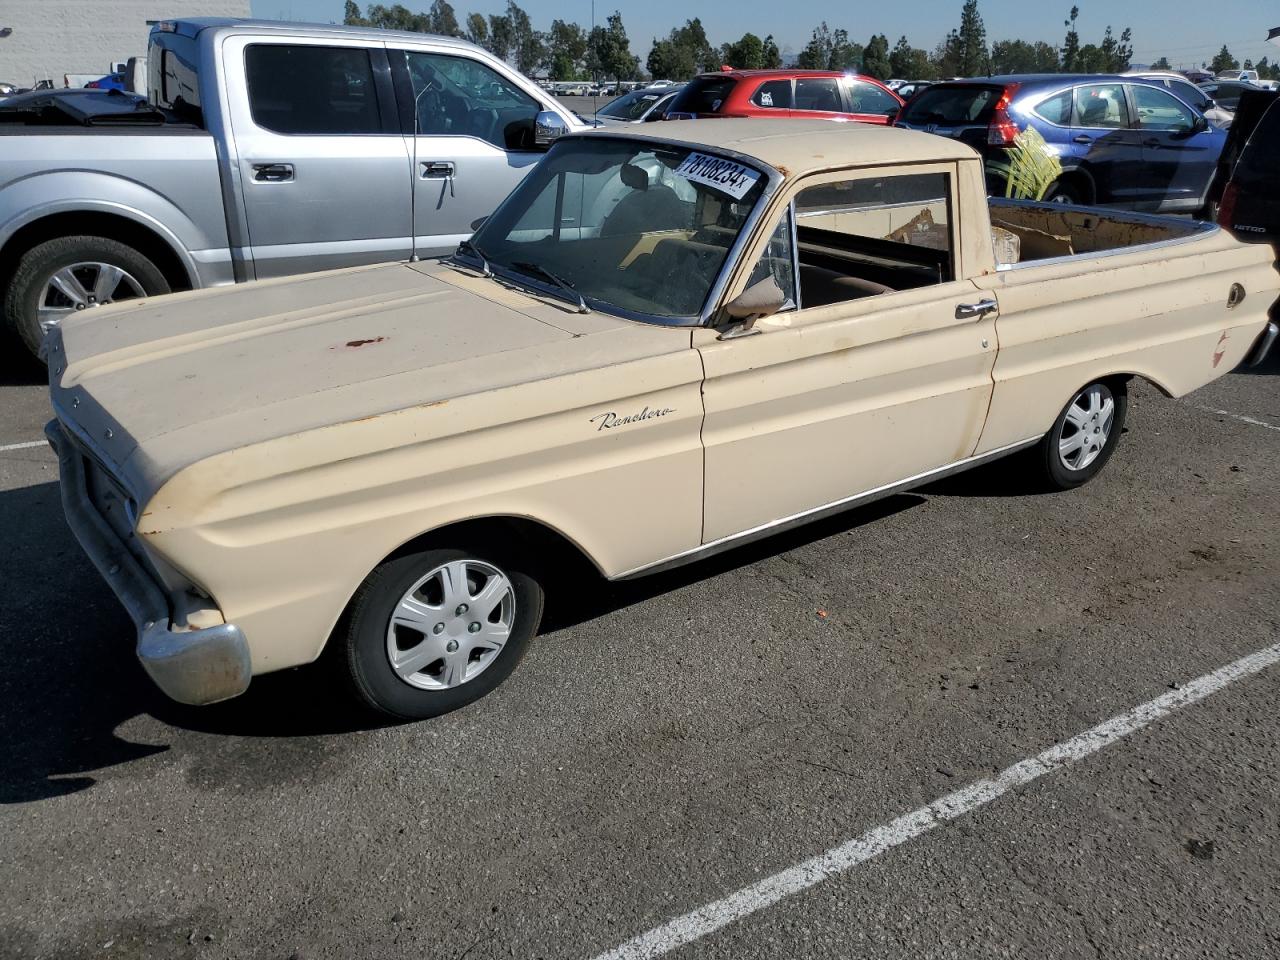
x=473 y=143
x=323 y=166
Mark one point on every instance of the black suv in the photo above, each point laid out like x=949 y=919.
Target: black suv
x=1250 y=168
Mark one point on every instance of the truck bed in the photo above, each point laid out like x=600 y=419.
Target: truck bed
x=1046 y=231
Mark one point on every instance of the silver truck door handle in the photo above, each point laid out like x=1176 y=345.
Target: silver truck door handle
x=273 y=172
x=435 y=169
x=967 y=311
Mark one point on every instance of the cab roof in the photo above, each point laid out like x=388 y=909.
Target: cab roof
x=799 y=147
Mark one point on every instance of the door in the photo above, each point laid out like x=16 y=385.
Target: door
x=819 y=98
x=1179 y=149
x=881 y=372
x=773 y=98
x=471 y=141
x=1104 y=144
x=869 y=102
x=321 y=162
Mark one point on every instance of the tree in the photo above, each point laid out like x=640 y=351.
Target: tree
x=746 y=54
x=609 y=51
x=1090 y=59
x=1161 y=64
x=875 y=58
x=1071 y=45
x=502 y=38
x=772 y=56
x=477 y=29
x=965 y=52
x=1013 y=56
x=527 y=47
x=900 y=59
x=351 y=15
x=1115 y=54
x=443 y=20
x=1248 y=65
x=817 y=52
x=845 y=54
x=1224 y=61
x=566 y=51
x=685 y=51
x=1046 y=60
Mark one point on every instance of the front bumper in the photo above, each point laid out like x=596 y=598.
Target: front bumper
x=191 y=666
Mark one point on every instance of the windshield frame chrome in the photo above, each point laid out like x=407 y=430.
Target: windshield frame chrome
x=710 y=306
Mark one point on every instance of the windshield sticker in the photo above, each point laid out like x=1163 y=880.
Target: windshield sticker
x=719 y=174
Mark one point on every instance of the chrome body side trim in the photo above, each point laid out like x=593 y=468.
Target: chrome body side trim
x=818 y=513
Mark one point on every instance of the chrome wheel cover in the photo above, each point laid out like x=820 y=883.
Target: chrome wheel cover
x=451 y=625
x=1086 y=427
x=80 y=286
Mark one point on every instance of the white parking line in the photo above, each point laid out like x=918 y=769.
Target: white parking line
x=24 y=446
x=1235 y=416
x=711 y=917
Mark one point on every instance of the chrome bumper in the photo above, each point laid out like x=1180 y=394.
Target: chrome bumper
x=191 y=666
x=1258 y=352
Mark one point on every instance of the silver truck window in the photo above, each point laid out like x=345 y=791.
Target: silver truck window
x=636 y=226
x=312 y=90
x=461 y=97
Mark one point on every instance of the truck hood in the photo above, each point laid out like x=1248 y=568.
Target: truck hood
x=161 y=384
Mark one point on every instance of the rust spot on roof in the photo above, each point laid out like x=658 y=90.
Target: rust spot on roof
x=352 y=344
x=783 y=170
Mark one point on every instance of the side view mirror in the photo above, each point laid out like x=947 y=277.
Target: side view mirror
x=478 y=222
x=548 y=127
x=762 y=299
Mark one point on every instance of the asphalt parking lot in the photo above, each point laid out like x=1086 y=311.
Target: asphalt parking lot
x=672 y=742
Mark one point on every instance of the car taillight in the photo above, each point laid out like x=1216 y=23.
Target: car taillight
x=1002 y=131
x=1227 y=206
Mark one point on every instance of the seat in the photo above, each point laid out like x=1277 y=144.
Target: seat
x=647 y=208
x=820 y=287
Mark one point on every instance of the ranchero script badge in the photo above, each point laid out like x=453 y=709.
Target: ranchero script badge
x=607 y=421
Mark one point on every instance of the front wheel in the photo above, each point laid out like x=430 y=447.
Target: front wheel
x=431 y=631
x=1084 y=436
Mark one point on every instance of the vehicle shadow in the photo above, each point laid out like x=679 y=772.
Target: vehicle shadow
x=18 y=368
x=72 y=682
x=1269 y=367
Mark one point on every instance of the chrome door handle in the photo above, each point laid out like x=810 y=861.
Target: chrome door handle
x=967 y=311
x=1082 y=138
x=435 y=169
x=273 y=172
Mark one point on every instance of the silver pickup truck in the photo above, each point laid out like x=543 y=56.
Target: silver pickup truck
x=263 y=149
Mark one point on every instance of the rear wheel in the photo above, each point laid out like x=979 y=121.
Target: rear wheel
x=1084 y=436
x=431 y=631
x=1064 y=192
x=62 y=277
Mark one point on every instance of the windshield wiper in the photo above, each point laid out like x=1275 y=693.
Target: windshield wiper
x=526 y=266
x=475 y=251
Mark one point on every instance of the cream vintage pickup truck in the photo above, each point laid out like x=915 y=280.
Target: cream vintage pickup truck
x=661 y=345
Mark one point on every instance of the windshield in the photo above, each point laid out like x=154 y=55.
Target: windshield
x=952 y=106
x=703 y=95
x=633 y=106
x=644 y=228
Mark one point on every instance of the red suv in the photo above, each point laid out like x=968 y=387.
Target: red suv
x=820 y=94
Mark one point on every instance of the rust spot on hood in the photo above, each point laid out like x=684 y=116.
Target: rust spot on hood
x=352 y=344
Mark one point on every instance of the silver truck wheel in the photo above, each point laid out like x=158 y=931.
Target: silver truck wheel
x=432 y=630
x=450 y=626
x=64 y=276
x=1084 y=436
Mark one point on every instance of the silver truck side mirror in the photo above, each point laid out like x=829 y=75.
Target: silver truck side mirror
x=548 y=127
x=763 y=298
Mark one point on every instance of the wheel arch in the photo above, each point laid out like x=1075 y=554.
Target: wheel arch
x=1080 y=175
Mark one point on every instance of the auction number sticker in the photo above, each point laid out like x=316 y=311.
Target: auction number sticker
x=719 y=174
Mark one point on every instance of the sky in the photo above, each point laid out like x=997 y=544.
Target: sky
x=1188 y=32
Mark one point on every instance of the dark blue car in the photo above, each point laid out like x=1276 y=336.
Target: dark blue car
x=1119 y=141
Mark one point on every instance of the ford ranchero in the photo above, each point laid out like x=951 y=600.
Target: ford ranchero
x=763 y=322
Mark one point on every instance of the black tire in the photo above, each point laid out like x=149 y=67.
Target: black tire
x=1064 y=191
x=37 y=266
x=364 y=632
x=1048 y=462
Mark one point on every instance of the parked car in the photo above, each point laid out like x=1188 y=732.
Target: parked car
x=1188 y=93
x=786 y=93
x=1226 y=93
x=285 y=148
x=1118 y=141
x=910 y=89
x=1243 y=76
x=394 y=460
x=112 y=81
x=639 y=106
x=1250 y=171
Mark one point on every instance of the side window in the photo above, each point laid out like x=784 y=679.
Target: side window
x=312 y=90
x=868 y=98
x=1056 y=110
x=860 y=238
x=773 y=94
x=1158 y=110
x=818 y=93
x=1101 y=105
x=461 y=97
x=778 y=261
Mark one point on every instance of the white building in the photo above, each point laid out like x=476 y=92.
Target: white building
x=47 y=39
